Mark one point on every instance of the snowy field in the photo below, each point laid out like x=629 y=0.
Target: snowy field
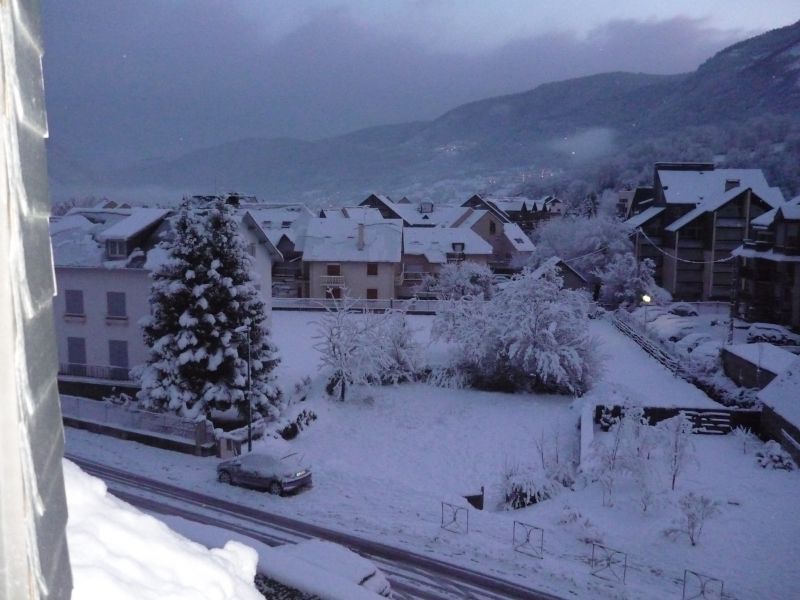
x=383 y=463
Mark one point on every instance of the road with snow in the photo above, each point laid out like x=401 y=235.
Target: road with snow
x=412 y=575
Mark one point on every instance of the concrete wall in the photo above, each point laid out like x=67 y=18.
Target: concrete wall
x=34 y=560
x=356 y=280
x=776 y=427
x=745 y=373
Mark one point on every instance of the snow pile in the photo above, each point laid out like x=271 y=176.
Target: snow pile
x=117 y=552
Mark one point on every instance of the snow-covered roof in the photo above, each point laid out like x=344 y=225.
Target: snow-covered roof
x=468 y=218
x=553 y=261
x=782 y=394
x=791 y=211
x=771 y=196
x=766 y=219
x=435 y=242
x=644 y=217
x=337 y=240
x=770 y=255
x=696 y=187
x=517 y=238
x=361 y=214
x=136 y=222
x=73 y=242
x=767 y=356
x=442 y=214
x=278 y=221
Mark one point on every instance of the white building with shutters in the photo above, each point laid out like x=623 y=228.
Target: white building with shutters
x=103 y=259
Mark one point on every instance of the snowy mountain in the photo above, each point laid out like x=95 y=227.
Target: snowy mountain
x=538 y=132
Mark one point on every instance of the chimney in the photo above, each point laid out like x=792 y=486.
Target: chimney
x=360 y=242
x=732 y=183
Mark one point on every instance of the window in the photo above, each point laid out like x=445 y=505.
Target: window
x=333 y=293
x=372 y=268
x=74 y=302
x=286 y=224
x=492 y=227
x=115 y=305
x=458 y=247
x=251 y=250
x=372 y=294
x=334 y=270
x=116 y=248
x=118 y=359
x=76 y=356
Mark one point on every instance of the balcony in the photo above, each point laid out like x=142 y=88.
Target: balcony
x=95 y=371
x=331 y=281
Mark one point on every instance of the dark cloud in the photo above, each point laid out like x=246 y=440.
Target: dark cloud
x=132 y=80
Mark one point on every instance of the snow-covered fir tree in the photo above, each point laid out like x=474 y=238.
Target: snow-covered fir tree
x=203 y=304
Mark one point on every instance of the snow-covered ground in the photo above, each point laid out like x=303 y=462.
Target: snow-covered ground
x=384 y=461
x=118 y=552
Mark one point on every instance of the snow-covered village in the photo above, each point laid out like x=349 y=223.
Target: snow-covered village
x=515 y=344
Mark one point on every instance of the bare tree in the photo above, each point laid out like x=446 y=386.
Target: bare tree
x=679 y=449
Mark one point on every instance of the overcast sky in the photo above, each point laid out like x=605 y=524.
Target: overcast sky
x=127 y=80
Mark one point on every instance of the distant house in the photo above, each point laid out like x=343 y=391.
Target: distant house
x=353 y=258
x=427 y=249
x=103 y=258
x=769 y=267
x=284 y=225
x=511 y=247
x=698 y=216
x=527 y=213
x=573 y=280
x=420 y=214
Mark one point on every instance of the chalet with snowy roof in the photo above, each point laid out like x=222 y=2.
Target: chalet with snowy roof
x=699 y=215
x=284 y=225
x=573 y=280
x=769 y=267
x=353 y=258
x=511 y=247
x=420 y=214
x=426 y=250
x=527 y=213
x=103 y=258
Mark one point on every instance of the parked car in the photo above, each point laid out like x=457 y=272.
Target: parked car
x=682 y=309
x=266 y=472
x=672 y=327
x=769 y=332
x=342 y=562
x=692 y=341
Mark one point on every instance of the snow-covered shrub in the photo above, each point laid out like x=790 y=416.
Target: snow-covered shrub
x=202 y=298
x=298 y=424
x=398 y=343
x=744 y=438
x=623 y=282
x=533 y=335
x=585 y=531
x=361 y=347
x=555 y=461
x=523 y=486
x=456 y=280
x=772 y=456
x=696 y=511
x=678 y=448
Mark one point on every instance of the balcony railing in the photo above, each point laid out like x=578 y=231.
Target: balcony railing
x=95 y=371
x=332 y=280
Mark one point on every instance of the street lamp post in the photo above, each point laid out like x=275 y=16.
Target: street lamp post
x=646 y=299
x=246 y=329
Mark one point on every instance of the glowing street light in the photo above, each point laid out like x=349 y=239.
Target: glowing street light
x=646 y=299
